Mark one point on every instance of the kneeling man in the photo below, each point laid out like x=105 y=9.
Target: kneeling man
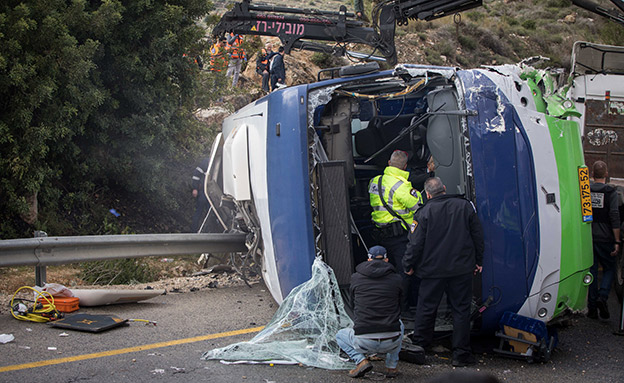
x=376 y=290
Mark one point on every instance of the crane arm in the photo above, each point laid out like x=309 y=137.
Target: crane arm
x=611 y=14
x=301 y=28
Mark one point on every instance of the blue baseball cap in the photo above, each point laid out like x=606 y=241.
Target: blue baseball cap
x=377 y=252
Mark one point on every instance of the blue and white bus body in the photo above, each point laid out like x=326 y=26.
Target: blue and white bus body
x=496 y=145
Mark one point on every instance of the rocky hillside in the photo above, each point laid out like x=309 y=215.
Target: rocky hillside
x=499 y=32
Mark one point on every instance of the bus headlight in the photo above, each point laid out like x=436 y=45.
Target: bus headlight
x=542 y=312
x=546 y=297
x=588 y=279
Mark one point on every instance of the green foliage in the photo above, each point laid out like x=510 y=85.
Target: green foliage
x=613 y=34
x=475 y=15
x=325 y=60
x=94 y=95
x=420 y=26
x=120 y=271
x=467 y=42
x=494 y=43
x=512 y=21
x=529 y=24
x=558 y=3
x=464 y=61
x=433 y=56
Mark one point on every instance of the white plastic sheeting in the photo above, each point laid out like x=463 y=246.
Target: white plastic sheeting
x=303 y=330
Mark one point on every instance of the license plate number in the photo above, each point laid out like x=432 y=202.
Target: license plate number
x=586 y=204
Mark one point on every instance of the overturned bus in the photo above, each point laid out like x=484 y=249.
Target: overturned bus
x=292 y=169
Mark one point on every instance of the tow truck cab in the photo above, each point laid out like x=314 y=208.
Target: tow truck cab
x=299 y=162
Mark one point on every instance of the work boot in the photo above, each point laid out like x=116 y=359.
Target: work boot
x=392 y=373
x=361 y=369
x=592 y=313
x=603 y=309
x=464 y=361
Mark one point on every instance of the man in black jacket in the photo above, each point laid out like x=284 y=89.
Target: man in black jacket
x=376 y=289
x=445 y=249
x=606 y=239
x=277 y=69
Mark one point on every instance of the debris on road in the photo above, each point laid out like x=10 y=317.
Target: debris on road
x=6 y=338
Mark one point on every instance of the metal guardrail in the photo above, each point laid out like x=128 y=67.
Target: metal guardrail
x=46 y=251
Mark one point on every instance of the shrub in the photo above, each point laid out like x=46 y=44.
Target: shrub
x=529 y=24
x=612 y=34
x=121 y=271
x=512 y=21
x=419 y=26
x=558 y=3
x=325 y=60
x=433 y=56
x=464 y=61
x=475 y=16
x=494 y=43
x=467 y=42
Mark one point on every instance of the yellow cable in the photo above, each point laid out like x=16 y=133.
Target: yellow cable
x=405 y=91
x=37 y=314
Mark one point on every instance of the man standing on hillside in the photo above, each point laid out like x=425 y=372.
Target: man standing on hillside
x=218 y=55
x=237 y=56
x=445 y=250
x=277 y=69
x=606 y=238
x=262 y=68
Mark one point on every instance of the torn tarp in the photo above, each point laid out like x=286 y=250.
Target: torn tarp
x=303 y=330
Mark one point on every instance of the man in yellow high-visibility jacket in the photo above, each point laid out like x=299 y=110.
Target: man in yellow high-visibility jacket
x=394 y=214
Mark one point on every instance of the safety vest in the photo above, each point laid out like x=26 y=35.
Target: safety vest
x=236 y=51
x=262 y=63
x=399 y=196
x=218 y=58
x=264 y=57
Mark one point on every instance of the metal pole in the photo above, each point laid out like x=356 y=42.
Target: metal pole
x=40 y=271
x=620 y=330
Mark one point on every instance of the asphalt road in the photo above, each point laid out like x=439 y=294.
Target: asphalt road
x=191 y=323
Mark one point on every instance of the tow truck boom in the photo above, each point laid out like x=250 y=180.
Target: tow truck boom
x=295 y=27
x=612 y=14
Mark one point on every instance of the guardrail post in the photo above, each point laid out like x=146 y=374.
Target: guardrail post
x=40 y=271
x=620 y=330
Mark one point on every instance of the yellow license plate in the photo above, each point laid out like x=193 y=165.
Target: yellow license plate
x=586 y=205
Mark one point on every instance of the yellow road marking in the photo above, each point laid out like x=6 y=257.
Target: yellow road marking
x=144 y=347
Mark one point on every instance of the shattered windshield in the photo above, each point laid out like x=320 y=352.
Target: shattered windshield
x=303 y=330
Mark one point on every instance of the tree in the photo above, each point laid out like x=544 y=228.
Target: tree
x=92 y=94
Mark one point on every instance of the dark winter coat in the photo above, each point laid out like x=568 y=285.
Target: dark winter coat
x=445 y=240
x=278 y=70
x=376 y=290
